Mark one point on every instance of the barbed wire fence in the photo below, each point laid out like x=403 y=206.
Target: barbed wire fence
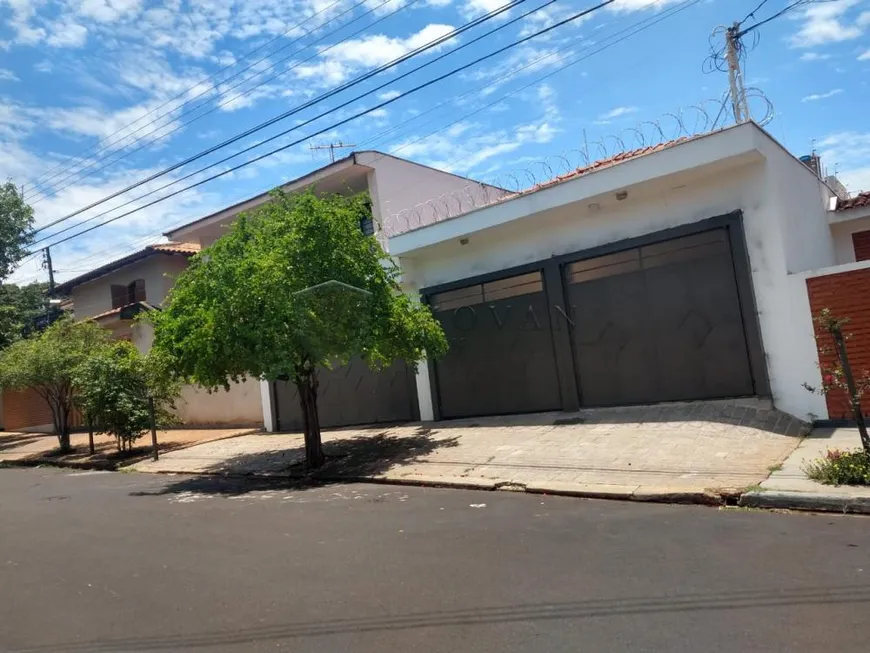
x=681 y=125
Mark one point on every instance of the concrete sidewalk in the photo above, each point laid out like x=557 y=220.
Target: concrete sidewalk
x=41 y=448
x=693 y=452
x=789 y=487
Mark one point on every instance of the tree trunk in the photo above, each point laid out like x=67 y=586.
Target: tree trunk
x=63 y=429
x=307 y=387
x=854 y=397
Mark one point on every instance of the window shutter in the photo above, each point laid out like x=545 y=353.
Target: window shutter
x=137 y=291
x=119 y=296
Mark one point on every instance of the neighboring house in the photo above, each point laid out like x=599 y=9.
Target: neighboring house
x=850 y=225
x=671 y=273
x=114 y=293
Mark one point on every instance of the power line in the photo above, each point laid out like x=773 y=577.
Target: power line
x=144 y=143
x=37 y=183
x=301 y=124
x=632 y=30
x=751 y=14
x=416 y=89
x=754 y=26
x=395 y=62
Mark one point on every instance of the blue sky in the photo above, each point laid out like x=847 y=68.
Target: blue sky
x=74 y=75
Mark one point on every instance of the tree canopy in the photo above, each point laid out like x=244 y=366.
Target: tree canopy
x=292 y=287
x=19 y=308
x=47 y=362
x=16 y=221
x=113 y=389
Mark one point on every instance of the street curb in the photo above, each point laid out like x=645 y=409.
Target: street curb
x=805 y=501
x=104 y=466
x=585 y=491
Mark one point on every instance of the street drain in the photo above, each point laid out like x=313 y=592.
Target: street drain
x=510 y=486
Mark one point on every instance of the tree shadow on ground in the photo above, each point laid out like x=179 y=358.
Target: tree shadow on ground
x=15 y=440
x=348 y=459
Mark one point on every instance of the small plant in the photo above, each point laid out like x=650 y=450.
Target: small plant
x=114 y=390
x=837 y=375
x=840 y=468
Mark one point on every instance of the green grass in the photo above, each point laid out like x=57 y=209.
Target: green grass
x=774 y=468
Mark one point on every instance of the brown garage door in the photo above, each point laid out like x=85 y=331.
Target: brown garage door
x=353 y=395
x=501 y=357
x=659 y=323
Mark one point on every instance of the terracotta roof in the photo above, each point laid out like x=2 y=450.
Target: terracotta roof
x=602 y=163
x=176 y=248
x=117 y=311
x=183 y=249
x=860 y=200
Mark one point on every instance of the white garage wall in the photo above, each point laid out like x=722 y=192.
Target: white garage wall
x=785 y=199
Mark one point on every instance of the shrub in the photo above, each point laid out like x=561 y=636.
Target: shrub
x=114 y=388
x=841 y=468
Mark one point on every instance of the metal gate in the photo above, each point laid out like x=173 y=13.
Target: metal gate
x=501 y=357
x=660 y=322
x=351 y=395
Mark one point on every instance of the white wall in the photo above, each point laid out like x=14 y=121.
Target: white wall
x=785 y=227
x=158 y=271
x=398 y=186
x=240 y=406
x=842 y=233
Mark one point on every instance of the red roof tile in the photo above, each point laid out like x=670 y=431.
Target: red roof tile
x=860 y=200
x=602 y=163
x=176 y=248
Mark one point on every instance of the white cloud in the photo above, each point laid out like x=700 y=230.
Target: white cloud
x=67 y=35
x=378 y=49
x=814 y=56
x=821 y=96
x=388 y=95
x=848 y=153
x=864 y=56
x=43 y=66
x=827 y=23
x=8 y=76
x=474 y=8
x=618 y=112
x=638 y=5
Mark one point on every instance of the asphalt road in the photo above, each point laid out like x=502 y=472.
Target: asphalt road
x=130 y=562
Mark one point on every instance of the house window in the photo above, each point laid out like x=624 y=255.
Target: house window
x=366 y=224
x=861 y=243
x=129 y=294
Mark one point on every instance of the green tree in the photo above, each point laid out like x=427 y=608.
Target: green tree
x=292 y=288
x=47 y=363
x=19 y=308
x=113 y=387
x=16 y=220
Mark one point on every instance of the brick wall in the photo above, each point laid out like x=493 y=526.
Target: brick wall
x=846 y=294
x=861 y=243
x=25 y=409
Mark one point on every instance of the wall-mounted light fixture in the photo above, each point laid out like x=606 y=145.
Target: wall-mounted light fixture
x=621 y=195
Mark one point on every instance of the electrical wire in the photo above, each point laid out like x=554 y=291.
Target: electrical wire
x=633 y=29
x=395 y=62
x=380 y=105
x=145 y=143
x=301 y=124
x=754 y=26
x=198 y=84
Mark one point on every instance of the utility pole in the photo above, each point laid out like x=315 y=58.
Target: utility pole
x=332 y=147
x=50 y=268
x=735 y=77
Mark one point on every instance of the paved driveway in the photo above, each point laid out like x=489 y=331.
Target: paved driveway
x=678 y=447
